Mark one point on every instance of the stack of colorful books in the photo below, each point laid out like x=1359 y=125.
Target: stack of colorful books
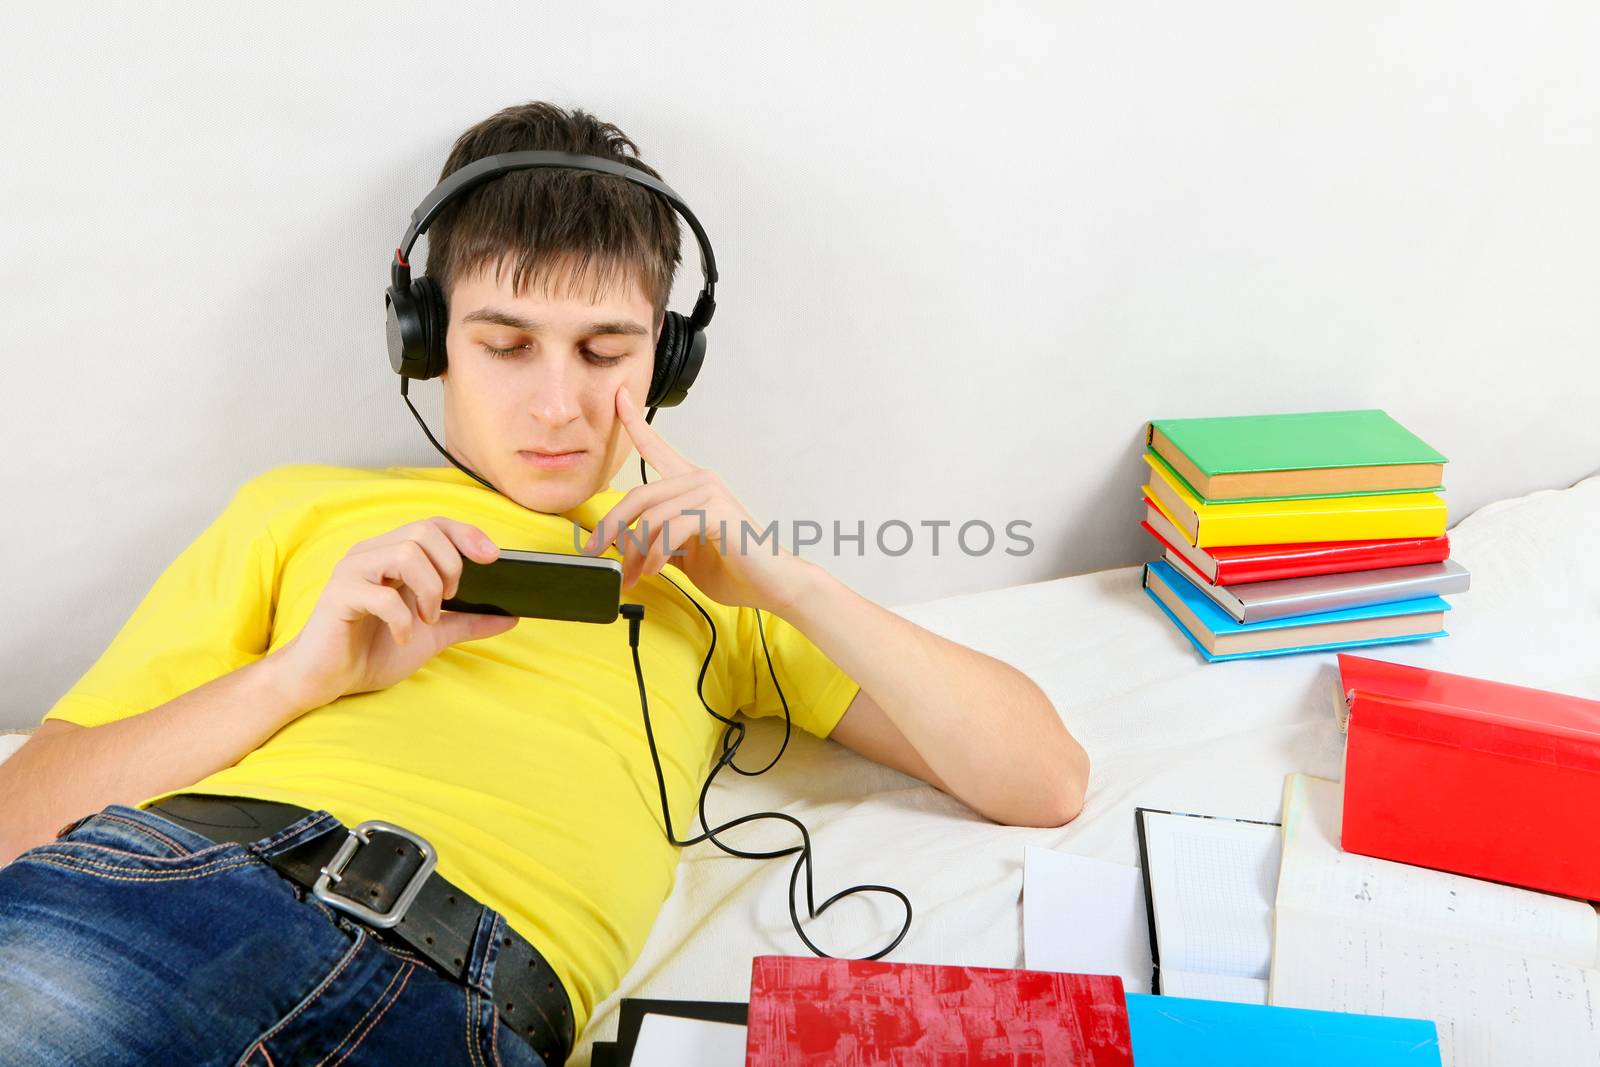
x=1297 y=532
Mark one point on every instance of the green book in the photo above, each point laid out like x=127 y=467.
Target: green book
x=1314 y=453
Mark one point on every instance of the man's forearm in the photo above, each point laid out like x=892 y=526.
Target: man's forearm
x=54 y=779
x=985 y=728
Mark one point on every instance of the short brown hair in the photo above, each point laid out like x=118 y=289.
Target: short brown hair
x=550 y=219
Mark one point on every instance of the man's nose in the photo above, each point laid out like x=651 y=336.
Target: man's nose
x=554 y=400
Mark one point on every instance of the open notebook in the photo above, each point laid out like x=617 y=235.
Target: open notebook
x=1209 y=884
x=1509 y=975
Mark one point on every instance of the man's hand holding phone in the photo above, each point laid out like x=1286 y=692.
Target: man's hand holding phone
x=379 y=617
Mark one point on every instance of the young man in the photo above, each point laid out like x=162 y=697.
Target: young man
x=296 y=653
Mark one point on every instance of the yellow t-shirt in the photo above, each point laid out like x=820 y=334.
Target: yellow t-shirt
x=521 y=757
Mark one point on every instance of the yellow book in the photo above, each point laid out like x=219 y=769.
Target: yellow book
x=1295 y=521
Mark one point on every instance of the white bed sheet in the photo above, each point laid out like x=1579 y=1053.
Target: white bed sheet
x=1164 y=729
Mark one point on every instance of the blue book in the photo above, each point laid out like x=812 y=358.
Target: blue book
x=1219 y=1033
x=1219 y=636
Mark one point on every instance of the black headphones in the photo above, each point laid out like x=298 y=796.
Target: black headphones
x=417 y=317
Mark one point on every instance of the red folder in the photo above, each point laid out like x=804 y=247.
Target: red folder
x=1477 y=777
x=1237 y=564
x=868 y=1013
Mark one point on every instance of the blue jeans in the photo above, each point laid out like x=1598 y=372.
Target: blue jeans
x=134 y=940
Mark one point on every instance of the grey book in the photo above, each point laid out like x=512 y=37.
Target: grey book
x=1286 y=597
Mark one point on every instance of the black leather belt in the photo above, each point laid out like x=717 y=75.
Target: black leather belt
x=383 y=875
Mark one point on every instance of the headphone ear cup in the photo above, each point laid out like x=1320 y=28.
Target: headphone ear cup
x=679 y=352
x=429 y=302
x=404 y=331
x=665 y=368
x=415 y=329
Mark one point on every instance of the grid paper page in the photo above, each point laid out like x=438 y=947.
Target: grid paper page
x=1212 y=883
x=1213 y=987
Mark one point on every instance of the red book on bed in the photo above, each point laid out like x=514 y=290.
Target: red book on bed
x=868 y=1013
x=1467 y=775
x=1237 y=564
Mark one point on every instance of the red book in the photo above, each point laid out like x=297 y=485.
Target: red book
x=1477 y=777
x=1237 y=564
x=868 y=1013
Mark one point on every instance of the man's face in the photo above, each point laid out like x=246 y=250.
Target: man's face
x=552 y=391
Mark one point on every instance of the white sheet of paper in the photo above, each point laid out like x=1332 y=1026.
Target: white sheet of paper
x=670 y=1041
x=1496 y=967
x=1213 y=883
x=1084 y=915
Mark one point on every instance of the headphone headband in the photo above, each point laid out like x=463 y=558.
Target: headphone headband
x=488 y=168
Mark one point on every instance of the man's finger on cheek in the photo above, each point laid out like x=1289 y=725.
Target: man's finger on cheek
x=651 y=445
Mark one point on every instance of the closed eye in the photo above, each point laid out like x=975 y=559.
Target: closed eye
x=594 y=357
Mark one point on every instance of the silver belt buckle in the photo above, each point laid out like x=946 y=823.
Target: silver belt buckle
x=333 y=871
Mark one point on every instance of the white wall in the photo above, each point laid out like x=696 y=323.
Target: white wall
x=966 y=251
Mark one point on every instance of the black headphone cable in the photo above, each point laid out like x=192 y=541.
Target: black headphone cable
x=634 y=613
x=437 y=446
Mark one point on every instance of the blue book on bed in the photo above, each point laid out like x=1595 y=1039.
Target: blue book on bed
x=1217 y=1033
x=1218 y=636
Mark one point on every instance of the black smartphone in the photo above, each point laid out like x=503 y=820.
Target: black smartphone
x=540 y=585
